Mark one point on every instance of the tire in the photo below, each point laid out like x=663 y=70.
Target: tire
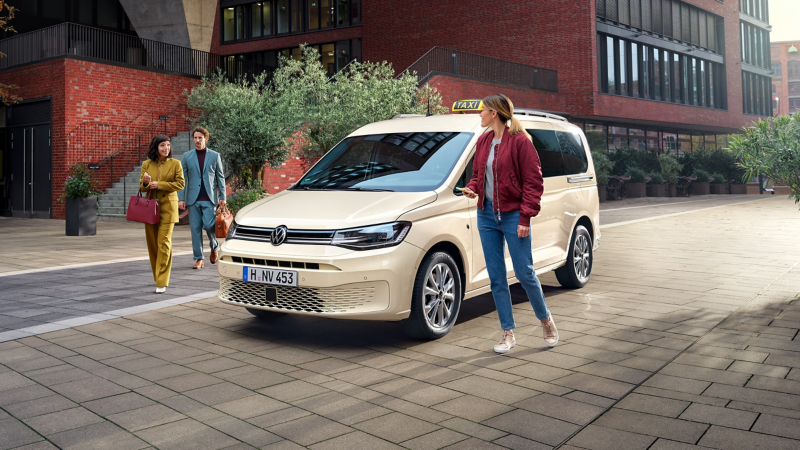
x=430 y=291
x=264 y=314
x=576 y=272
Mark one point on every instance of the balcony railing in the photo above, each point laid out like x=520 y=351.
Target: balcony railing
x=80 y=40
x=444 y=61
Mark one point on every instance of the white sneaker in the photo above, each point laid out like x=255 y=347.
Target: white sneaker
x=550 y=332
x=161 y=290
x=507 y=342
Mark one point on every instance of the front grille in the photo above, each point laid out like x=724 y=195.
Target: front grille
x=312 y=300
x=318 y=237
x=272 y=262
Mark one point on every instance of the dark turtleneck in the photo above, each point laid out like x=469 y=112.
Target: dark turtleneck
x=201 y=159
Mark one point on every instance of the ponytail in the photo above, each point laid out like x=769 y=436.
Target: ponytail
x=505 y=110
x=516 y=127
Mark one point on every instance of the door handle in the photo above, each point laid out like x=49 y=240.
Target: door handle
x=579 y=179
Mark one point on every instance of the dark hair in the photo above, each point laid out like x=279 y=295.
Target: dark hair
x=201 y=130
x=152 y=153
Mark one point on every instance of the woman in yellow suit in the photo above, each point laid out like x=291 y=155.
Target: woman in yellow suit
x=165 y=175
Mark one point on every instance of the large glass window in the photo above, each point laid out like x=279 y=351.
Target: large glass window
x=271 y=17
x=333 y=56
x=573 y=153
x=549 y=150
x=596 y=136
x=229 y=24
x=755 y=46
x=657 y=74
x=612 y=81
x=635 y=68
x=623 y=81
x=282 y=15
x=665 y=78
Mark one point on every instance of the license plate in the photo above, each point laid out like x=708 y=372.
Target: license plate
x=270 y=276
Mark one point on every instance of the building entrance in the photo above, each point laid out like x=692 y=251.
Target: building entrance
x=29 y=189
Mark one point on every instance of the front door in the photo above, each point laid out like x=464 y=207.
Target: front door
x=31 y=172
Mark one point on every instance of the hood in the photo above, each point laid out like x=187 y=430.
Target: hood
x=331 y=210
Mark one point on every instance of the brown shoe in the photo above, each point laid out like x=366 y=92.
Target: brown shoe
x=550 y=332
x=214 y=255
x=198 y=264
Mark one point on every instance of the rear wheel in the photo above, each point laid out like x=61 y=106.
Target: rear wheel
x=576 y=272
x=436 y=299
x=264 y=314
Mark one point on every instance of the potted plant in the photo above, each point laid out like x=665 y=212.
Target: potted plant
x=671 y=170
x=700 y=185
x=602 y=170
x=717 y=184
x=655 y=188
x=80 y=192
x=636 y=184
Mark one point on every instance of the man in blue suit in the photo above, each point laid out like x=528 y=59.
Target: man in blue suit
x=204 y=175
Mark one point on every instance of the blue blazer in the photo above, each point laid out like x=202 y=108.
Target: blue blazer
x=212 y=173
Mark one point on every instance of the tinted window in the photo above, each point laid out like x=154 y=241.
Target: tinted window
x=572 y=150
x=465 y=177
x=549 y=151
x=405 y=162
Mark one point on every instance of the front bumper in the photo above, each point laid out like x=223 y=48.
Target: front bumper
x=332 y=282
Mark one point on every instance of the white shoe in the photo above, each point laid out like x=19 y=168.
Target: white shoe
x=550 y=332
x=161 y=290
x=507 y=342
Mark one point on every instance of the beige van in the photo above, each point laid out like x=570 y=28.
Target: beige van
x=362 y=234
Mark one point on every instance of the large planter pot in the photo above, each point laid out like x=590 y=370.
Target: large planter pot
x=717 y=189
x=700 y=188
x=656 y=190
x=601 y=193
x=82 y=216
x=739 y=189
x=636 y=190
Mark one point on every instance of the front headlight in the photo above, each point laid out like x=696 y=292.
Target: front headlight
x=231 y=230
x=372 y=237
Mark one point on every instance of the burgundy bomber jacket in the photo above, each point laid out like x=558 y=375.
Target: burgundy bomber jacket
x=517 y=175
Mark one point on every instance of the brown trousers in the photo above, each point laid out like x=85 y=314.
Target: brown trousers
x=159 y=247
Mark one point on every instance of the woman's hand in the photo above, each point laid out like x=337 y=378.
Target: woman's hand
x=146 y=179
x=523 y=231
x=154 y=185
x=468 y=192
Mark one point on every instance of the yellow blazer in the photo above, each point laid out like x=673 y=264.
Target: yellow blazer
x=170 y=181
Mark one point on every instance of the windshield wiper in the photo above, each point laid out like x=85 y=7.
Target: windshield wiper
x=309 y=188
x=364 y=189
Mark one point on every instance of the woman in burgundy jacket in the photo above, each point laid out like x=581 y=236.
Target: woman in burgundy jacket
x=507 y=179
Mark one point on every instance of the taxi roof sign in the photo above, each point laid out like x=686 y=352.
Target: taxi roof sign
x=468 y=105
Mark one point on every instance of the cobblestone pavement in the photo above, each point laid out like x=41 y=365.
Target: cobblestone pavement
x=686 y=336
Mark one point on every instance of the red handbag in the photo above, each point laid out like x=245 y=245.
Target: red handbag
x=144 y=209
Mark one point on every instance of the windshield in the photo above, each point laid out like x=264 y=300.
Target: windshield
x=404 y=162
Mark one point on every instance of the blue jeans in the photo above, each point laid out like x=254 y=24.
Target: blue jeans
x=493 y=233
x=201 y=217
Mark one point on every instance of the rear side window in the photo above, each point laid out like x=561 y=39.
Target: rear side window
x=574 y=154
x=549 y=150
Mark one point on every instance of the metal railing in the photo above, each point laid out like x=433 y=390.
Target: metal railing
x=444 y=61
x=79 y=40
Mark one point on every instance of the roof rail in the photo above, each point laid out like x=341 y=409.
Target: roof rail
x=533 y=112
x=403 y=116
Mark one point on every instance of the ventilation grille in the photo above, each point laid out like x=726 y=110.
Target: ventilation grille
x=667 y=16
x=703 y=30
x=310 y=300
x=712 y=34
x=272 y=263
x=611 y=10
x=676 y=19
x=636 y=14
x=31 y=113
x=685 y=35
x=624 y=12
x=646 y=18
x=656 y=8
x=695 y=26
x=600 y=8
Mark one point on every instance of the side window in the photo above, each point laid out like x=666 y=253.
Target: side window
x=465 y=176
x=549 y=150
x=574 y=154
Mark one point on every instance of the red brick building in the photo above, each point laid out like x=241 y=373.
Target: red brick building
x=785 y=77
x=651 y=74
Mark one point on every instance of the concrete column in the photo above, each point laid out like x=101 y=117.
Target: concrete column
x=188 y=23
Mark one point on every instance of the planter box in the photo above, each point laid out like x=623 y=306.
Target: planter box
x=656 y=190
x=739 y=189
x=601 y=193
x=636 y=190
x=700 y=188
x=82 y=216
x=718 y=189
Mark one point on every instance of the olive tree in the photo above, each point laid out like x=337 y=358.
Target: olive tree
x=771 y=147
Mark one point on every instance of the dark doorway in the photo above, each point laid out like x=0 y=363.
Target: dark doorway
x=29 y=190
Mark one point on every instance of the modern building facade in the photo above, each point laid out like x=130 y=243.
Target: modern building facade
x=667 y=75
x=785 y=77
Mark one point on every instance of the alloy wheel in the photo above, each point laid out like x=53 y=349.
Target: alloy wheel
x=581 y=257
x=439 y=295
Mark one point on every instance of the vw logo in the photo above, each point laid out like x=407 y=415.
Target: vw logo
x=279 y=235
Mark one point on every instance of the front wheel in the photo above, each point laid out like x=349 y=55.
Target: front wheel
x=576 y=272
x=436 y=299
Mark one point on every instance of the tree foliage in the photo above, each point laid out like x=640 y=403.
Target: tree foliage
x=6 y=90
x=771 y=147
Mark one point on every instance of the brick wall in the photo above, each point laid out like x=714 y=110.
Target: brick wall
x=96 y=108
x=453 y=89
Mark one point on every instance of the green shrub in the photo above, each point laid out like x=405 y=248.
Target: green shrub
x=602 y=166
x=243 y=197
x=637 y=175
x=625 y=159
x=670 y=168
x=79 y=183
x=702 y=176
x=656 y=178
x=718 y=178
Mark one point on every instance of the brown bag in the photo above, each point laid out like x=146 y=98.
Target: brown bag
x=223 y=222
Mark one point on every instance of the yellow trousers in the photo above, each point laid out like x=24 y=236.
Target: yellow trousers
x=159 y=247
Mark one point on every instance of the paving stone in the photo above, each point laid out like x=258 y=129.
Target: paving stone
x=243 y=431
x=490 y=389
x=149 y=416
x=473 y=408
x=416 y=391
x=364 y=376
x=614 y=372
x=258 y=379
x=677 y=384
x=652 y=405
x=533 y=426
x=595 y=437
x=67 y=419
x=473 y=429
x=642 y=363
x=185 y=434
x=278 y=417
x=292 y=391
x=342 y=408
x=355 y=440
x=40 y=406
x=591 y=353
x=554 y=359
x=666 y=444
x=777 y=426
x=87 y=389
x=732 y=439
x=750 y=395
x=704 y=374
x=13 y=380
x=99 y=436
x=41 y=445
x=783 y=412
x=774 y=384
x=62 y=374
x=596 y=400
x=715 y=415
x=410 y=409
x=189 y=382
x=283 y=445
x=473 y=444
x=595 y=385
x=438 y=439
x=14 y=433
x=310 y=430
x=704 y=361
x=252 y=406
x=396 y=427
x=561 y=408
x=539 y=372
x=635 y=422
x=782 y=360
x=218 y=393
x=520 y=443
